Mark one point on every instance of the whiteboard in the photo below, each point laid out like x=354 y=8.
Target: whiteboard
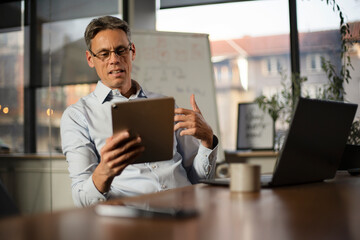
x=177 y=65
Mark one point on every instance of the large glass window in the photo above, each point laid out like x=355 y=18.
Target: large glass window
x=320 y=37
x=250 y=50
x=43 y=58
x=11 y=78
x=249 y=46
x=65 y=77
x=43 y=70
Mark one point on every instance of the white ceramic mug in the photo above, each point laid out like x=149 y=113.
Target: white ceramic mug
x=244 y=177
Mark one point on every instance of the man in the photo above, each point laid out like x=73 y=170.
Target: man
x=100 y=164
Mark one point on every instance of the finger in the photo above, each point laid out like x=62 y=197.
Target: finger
x=189 y=131
x=193 y=103
x=184 y=125
x=117 y=146
x=113 y=141
x=183 y=118
x=127 y=158
x=127 y=147
x=182 y=111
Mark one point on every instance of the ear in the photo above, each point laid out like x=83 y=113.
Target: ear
x=89 y=59
x=133 y=51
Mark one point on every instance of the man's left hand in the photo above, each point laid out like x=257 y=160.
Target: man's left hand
x=194 y=124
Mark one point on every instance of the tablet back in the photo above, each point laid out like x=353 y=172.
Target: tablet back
x=153 y=120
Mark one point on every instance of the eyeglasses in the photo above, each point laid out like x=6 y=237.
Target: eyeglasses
x=104 y=55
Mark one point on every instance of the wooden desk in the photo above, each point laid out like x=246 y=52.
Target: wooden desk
x=328 y=210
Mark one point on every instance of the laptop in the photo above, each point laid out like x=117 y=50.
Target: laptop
x=314 y=144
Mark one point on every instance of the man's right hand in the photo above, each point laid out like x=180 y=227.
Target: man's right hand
x=119 y=151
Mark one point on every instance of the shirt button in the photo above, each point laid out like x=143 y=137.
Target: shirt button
x=154 y=166
x=163 y=186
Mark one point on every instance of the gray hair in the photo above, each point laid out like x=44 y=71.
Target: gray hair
x=102 y=23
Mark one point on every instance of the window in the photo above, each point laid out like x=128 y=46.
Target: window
x=257 y=32
x=313 y=62
x=11 y=78
x=62 y=82
x=223 y=71
x=319 y=36
x=37 y=76
x=272 y=66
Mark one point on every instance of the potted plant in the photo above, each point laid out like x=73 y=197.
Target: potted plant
x=281 y=105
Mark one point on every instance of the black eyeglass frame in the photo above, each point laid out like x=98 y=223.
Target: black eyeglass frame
x=117 y=52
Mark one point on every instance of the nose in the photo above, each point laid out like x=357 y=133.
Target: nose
x=113 y=58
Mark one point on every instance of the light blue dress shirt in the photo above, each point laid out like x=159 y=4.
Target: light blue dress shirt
x=87 y=124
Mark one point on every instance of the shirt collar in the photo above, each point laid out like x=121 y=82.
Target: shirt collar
x=104 y=93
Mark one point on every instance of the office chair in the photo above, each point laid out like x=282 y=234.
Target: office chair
x=7 y=205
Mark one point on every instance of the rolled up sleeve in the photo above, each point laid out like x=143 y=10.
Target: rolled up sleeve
x=199 y=161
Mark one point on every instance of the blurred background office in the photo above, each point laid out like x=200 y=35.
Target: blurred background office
x=43 y=69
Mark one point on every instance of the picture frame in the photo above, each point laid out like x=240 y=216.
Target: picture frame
x=255 y=128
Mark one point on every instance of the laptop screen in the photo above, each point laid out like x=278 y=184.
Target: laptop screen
x=315 y=141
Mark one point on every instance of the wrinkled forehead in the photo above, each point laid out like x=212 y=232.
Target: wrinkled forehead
x=110 y=39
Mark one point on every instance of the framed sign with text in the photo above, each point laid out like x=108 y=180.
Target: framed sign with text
x=255 y=130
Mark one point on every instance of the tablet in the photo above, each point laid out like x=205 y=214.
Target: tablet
x=153 y=120
x=138 y=211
